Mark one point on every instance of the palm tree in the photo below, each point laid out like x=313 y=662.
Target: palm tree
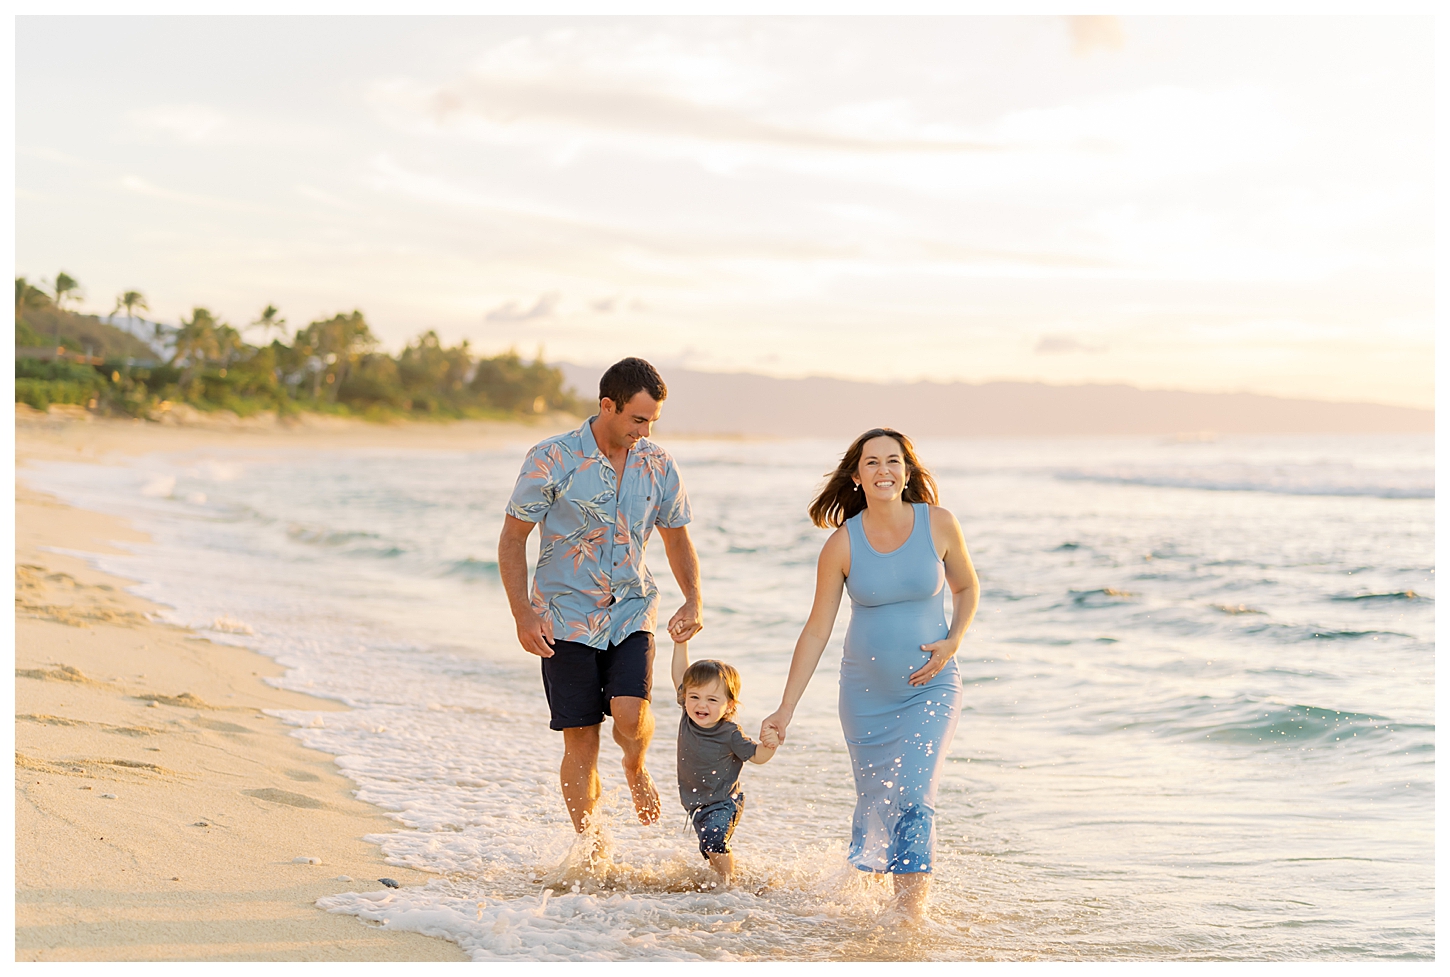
x=65 y=286
x=269 y=320
x=197 y=343
x=229 y=345
x=27 y=296
x=161 y=336
x=335 y=344
x=130 y=301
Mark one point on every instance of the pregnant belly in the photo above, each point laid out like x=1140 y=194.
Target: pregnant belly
x=883 y=644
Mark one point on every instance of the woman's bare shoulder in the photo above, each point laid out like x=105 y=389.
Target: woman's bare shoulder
x=837 y=551
x=946 y=532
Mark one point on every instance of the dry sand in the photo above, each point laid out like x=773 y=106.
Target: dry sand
x=158 y=811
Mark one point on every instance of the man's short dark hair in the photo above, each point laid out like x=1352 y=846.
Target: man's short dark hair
x=628 y=377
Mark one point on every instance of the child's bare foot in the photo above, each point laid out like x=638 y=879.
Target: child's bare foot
x=642 y=792
x=724 y=865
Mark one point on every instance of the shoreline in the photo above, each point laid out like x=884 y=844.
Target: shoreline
x=68 y=427
x=159 y=810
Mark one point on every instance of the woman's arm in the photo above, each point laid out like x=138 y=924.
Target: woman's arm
x=962 y=579
x=831 y=571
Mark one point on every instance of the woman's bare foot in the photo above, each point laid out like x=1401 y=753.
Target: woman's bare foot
x=642 y=792
x=911 y=890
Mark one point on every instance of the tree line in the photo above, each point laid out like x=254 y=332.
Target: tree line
x=330 y=365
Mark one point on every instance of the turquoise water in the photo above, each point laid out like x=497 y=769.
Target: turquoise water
x=1198 y=721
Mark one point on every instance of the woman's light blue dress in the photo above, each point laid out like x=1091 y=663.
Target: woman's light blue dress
x=897 y=733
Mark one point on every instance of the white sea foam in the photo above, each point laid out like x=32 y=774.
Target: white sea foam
x=230 y=625
x=159 y=486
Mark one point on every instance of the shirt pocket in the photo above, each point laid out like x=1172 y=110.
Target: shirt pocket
x=639 y=506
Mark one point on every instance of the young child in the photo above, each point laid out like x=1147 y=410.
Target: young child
x=712 y=749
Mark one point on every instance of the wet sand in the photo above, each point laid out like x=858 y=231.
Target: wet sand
x=160 y=814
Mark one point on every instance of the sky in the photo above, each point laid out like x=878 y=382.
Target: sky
x=1200 y=203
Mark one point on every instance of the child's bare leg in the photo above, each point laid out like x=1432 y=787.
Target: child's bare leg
x=723 y=862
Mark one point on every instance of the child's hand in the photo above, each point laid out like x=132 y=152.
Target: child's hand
x=769 y=738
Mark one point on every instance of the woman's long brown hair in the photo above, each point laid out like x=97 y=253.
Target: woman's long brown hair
x=840 y=499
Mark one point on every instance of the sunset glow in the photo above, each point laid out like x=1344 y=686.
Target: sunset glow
x=1202 y=203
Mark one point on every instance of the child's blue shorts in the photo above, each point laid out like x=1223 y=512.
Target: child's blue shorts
x=715 y=823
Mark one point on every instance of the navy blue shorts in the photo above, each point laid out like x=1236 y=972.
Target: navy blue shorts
x=579 y=680
x=715 y=823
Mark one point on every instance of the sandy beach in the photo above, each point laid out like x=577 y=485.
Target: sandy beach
x=160 y=814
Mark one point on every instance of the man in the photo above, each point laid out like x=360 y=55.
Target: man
x=597 y=493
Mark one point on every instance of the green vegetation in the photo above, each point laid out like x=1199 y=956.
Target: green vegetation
x=331 y=366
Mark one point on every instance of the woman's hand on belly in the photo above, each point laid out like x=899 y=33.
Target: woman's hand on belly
x=941 y=652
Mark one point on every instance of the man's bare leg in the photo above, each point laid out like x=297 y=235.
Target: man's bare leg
x=579 y=774
x=634 y=727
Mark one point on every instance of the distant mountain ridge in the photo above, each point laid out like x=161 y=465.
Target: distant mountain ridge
x=751 y=404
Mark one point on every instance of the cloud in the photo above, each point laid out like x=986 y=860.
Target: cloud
x=1052 y=344
x=202 y=125
x=511 y=311
x=965 y=255
x=604 y=306
x=1094 y=33
x=323 y=197
x=578 y=233
x=56 y=156
x=146 y=189
x=187 y=123
x=583 y=103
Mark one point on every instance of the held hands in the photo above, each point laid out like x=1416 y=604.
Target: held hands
x=772 y=728
x=686 y=623
x=941 y=652
x=536 y=634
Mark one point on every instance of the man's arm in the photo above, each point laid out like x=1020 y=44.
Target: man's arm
x=536 y=634
x=685 y=565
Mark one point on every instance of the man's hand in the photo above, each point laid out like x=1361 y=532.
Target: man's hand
x=686 y=623
x=536 y=634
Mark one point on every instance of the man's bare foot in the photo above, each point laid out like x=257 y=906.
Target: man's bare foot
x=642 y=792
x=590 y=850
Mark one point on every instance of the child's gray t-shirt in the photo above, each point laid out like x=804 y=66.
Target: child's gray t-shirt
x=709 y=761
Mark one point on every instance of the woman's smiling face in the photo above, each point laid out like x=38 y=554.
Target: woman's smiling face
x=882 y=472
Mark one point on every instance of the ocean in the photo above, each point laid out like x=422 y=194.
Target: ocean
x=1198 y=720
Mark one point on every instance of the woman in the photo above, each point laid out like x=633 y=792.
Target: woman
x=893 y=549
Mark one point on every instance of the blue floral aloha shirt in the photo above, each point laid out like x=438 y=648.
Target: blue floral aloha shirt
x=591 y=577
